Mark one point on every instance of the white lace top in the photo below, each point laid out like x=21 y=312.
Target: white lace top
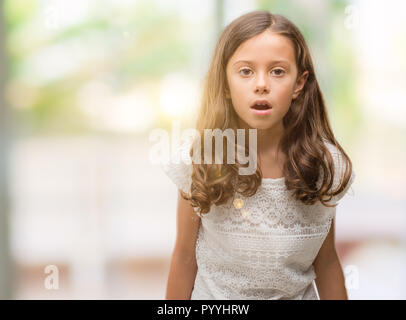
x=261 y=247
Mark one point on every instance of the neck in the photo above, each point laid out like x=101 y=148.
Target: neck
x=268 y=140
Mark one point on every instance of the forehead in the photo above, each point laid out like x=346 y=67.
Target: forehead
x=265 y=48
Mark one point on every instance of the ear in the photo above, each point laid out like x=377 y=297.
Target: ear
x=300 y=84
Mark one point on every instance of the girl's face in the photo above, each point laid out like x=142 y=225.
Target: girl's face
x=263 y=67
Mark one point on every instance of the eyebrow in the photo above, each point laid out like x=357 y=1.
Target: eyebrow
x=252 y=62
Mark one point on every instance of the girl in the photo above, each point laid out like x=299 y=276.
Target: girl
x=268 y=235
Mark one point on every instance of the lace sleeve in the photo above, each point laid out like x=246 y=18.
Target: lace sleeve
x=339 y=172
x=179 y=168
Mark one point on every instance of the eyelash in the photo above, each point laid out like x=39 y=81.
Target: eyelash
x=272 y=70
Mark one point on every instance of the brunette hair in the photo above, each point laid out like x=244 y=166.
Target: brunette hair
x=306 y=124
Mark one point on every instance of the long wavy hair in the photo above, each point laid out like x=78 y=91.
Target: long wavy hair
x=306 y=126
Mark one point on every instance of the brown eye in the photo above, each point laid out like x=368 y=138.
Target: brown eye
x=279 y=72
x=245 y=69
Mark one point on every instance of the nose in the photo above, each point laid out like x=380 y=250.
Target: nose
x=262 y=84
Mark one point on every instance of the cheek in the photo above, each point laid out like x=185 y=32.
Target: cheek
x=235 y=86
x=283 y=94
x=238 y=92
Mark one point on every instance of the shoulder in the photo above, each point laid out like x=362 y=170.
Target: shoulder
x=331 y=147
x=178 y=167
x=338 y=158
x=336 y=154
x=341 y=167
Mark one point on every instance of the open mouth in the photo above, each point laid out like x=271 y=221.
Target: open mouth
x=261 y=107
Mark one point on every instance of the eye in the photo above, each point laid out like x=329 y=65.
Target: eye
x=245 y=69
x=279 y=72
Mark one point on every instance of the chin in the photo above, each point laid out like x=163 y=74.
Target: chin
x=261 y=126
x=264 y=127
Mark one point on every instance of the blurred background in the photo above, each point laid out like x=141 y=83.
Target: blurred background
x=84 y=212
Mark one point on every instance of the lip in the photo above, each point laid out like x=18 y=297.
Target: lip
x=261 y=112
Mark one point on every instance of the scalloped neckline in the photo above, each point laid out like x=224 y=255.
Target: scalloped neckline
x=280 y=180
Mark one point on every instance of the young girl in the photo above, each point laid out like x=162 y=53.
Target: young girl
x=268 y=235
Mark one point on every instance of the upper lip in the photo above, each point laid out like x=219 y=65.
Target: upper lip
x=261 y=101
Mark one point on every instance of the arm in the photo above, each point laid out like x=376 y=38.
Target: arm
x=183 y=267
x=330 y=279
